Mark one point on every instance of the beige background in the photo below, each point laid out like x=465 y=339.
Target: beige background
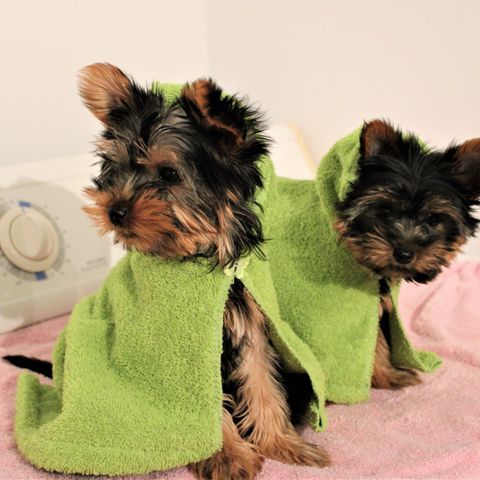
x=44 y=43
x=323 y=65
x=328 y=65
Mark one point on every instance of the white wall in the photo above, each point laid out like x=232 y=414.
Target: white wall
x=45 y=43
x=327 y=65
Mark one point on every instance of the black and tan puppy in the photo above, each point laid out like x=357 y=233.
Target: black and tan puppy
x=406 y=217
x=178 y=181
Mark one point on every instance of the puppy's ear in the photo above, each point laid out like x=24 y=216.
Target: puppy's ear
x=377 y=137
x=104 y=87
x=467 y=160
x=224 y=116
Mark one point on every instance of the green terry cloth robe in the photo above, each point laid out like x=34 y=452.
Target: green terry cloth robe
x=137 y=381
x=137 y=384
x=329 y=300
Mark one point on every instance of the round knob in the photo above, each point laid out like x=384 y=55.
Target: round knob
x=28 y=239
x=31 y=236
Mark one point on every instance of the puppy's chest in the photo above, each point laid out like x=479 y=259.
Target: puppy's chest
x=243 y=322
x=386 y=302
x=385 y=306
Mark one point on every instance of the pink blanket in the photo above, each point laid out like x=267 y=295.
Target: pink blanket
x=428 y=431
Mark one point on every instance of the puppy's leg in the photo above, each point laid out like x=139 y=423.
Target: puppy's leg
x=385 y=375
x=262 y=413
x=237 y=460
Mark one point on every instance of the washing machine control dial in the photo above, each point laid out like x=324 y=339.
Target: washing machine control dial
x=28 y=239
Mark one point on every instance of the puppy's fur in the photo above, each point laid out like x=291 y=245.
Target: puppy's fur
x=179 y=181
x=175 y=181
x=406 y=217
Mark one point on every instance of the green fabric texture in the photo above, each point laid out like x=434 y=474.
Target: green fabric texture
x=330 y=301
x=137 y=382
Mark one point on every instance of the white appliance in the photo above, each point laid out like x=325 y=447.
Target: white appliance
x=50 y=255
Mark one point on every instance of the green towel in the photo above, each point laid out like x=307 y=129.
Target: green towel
x=137 y=382
x=329 y=300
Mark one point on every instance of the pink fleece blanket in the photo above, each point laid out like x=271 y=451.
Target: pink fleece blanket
x=428 y=431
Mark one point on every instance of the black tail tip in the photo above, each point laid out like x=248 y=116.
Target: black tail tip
x=33 y=364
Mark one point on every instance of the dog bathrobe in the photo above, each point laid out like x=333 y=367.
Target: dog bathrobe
x=329 y=300
x=137 y=382
x=136 y=372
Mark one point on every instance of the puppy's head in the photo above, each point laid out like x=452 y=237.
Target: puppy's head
x=410 y=209
x=178 y=180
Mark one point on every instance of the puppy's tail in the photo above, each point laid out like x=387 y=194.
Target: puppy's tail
x=34 y=364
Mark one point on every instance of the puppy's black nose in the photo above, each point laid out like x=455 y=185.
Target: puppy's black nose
x=117 y=214
x=402 y=255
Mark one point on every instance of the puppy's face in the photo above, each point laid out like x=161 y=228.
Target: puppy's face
x=175 y=181
x=410 y=210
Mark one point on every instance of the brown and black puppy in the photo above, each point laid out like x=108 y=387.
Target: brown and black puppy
x=178 y=181
x=406 y=217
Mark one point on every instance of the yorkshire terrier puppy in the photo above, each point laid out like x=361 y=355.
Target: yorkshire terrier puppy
x=178 y=181
x=406 y=217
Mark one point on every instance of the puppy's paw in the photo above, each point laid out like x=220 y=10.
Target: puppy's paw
x=291 y=448
x=395 y=378
x=243 y=462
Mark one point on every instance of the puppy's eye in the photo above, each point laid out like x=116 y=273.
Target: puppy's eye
x=168 y=175
x=432 y=219
x=385 y=209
